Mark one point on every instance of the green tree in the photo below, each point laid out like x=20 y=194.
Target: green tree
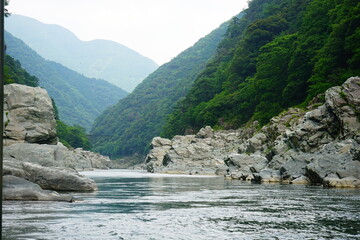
x=14 y=73
x=72 y=136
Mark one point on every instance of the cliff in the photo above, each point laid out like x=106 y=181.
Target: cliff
x=318 y=145
x=32 y=151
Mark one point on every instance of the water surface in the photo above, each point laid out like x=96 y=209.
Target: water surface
x=139 y=205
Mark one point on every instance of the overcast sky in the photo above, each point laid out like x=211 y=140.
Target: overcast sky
x=158 y=29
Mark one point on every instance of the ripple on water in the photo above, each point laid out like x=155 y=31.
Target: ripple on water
x=137 y=205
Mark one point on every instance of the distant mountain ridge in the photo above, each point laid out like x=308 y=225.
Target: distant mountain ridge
x=103 y=59
x=127 y=127
x=79 y=99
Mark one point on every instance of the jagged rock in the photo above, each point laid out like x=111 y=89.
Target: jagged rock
x=292 y=164
x=347 y=182
x=192 y=154
x=255 y=143
x=334 y=158
x=15 y=188
x=59 y=179
x=87 y=159
x=296 y=146
x=268 y=175
x=32 y=151
x=29 y=115
x=246 y=164
x=56 y=156
x=206 y=132
x=301 y=180
x=221 y=170
x=42 y=154
x=344 y=102
x=160 y=142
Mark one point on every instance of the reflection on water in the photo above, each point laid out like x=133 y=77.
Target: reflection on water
x=138 y=205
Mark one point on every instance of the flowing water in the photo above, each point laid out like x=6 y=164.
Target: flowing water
x=138 y=205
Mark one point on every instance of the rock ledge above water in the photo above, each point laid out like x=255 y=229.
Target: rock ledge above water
x=320 y=146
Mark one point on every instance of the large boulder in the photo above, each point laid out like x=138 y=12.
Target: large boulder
x=15 y=188
x=29 y=115
x=58 y=179
x=45 y=155
x=334 y=159
x=56 y=156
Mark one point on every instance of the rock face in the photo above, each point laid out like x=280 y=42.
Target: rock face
x=192 y=153
x=59 y=179
x=29 y=115
x=56 y=156
x=34 y=160
x=90 y=160
x=321 y=145
x=15 y=188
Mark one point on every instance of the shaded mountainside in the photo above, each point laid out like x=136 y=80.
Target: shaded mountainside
x=103 y=59
x=286 y=53
x=79 y=99
x=128 y=127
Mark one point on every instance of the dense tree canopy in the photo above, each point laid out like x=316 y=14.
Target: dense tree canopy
x=72 y=136
x=288 y=52
x=14 y=73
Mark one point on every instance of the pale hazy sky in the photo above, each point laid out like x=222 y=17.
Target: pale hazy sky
x=158 y=29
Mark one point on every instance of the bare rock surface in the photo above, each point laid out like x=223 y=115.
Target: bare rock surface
x=34 y=160
x=58 y=179
x=29 y=115
x=15 y=188
x=320 y=145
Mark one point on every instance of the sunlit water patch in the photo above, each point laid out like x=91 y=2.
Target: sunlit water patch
x=138 y=205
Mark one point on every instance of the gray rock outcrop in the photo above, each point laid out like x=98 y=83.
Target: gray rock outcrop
x=56 y=156
x=85 y=160
x=320 y=146
x=202 y=153
x=50 y=178
x=29 y=115
x=33 y=157
x=15 y=188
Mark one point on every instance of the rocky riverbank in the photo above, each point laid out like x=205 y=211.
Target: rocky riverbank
x=317 y=145
x=33 y=158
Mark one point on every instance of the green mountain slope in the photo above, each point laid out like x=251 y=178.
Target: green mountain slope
x=103 y=59
x=79 y=99
x=127 y=127
x=14 y=73
x=70 y=136
x=286 y=53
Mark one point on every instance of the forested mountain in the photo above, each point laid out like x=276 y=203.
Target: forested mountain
x=70 y=136
x=103 y=59
x=287 y=52
x=14 y=73
x=127 y=127
x=79 y=99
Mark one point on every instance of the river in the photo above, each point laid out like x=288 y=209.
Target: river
x=138 y=205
